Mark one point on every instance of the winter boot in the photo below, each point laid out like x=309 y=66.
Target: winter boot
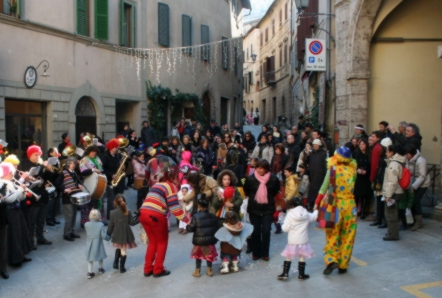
x=197 y=273
x=235 y=266
x=249 y=245
x=417 y=223
x=301 y=269
x=285 y=271
x=117 y=258
x=122 y=263
x=278 y=228
x=224 y=268
x=209 y=272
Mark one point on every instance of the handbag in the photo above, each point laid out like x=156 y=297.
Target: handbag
x=328 y=213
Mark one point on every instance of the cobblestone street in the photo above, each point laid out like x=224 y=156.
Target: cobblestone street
x=378 y=269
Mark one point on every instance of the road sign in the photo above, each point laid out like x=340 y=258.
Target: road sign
x=315 y=59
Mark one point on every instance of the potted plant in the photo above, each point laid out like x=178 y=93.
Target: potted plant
x=12 y=7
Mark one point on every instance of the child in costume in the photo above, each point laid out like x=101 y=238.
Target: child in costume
x=232 y=235
x=187 y=207
x=204 y=226
x=96 y=233
x=228 y=197
x=296 y=225
x=119 y=228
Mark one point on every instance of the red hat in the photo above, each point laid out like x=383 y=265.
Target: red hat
x=34 y=149
x=112 y=144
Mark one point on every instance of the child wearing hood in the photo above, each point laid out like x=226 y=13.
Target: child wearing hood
x=296 y=225
x=184 y=166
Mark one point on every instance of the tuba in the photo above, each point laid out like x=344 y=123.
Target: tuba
x=89 y=140
x=67 y=152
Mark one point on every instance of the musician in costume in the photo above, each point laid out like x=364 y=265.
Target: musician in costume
x=88 y=164
x=111 y=160
x=340 y=180
x=155 y=164
x=68 y=182
x=37 y=206
x=7 y=197
x=53 y=206
x=65 y=143
x=153 y=216
x=19 y=241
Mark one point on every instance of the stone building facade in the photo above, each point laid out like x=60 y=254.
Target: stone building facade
x=92 y=83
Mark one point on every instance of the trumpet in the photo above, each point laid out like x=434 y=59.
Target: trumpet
x=34 y=181
x=17 y=184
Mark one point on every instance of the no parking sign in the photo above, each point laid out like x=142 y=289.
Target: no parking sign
x=315 y=58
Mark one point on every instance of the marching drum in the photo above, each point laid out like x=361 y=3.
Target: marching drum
x=80 y=198
x=95 y=184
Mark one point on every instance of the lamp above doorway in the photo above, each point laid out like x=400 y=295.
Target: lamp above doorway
x=253 y=58
x=45 y=68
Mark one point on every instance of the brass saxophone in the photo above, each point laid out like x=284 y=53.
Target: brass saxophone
x=120 y=173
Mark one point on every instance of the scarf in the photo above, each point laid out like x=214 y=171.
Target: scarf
x=96 y=163
x=261 y=194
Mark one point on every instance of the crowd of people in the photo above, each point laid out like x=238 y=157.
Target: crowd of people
x=220 y=184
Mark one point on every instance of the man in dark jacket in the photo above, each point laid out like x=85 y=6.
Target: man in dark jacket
x=214 y=129
x=66 y=142
x=147 y=135
x=317 y=166
x=293 y=151
x=111 y=162
x=296 y=134
x=385 y=133
x=261 y=211
x=413 y=137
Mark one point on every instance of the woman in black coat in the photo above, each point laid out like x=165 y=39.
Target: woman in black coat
x=363 y=191
x=206 y=157
x=261 y=211
x=204 y=225
x=249 y=142
x=317 y=166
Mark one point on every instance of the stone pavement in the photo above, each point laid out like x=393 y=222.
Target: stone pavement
x=378 y=269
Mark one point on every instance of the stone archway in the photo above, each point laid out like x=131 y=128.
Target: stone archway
x=354 y=27
x=86 y=118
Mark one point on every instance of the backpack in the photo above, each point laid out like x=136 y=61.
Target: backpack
x=405 y=180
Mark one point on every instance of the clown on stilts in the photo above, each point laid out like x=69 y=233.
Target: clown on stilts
x=340 y=178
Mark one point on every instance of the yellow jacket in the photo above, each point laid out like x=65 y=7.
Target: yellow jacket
x=292 y=187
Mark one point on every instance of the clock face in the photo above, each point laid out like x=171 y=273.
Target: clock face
x=30 y=77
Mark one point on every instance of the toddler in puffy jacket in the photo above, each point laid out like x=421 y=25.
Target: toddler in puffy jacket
x=296 y=225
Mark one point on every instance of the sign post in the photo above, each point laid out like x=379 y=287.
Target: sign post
x=316 y=58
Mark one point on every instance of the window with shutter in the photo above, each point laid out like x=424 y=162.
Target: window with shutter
x=186 y=23
x=280 y=18
x=247 y=52
x=285 y=53
x=280 y=57
x=18 y=12
x=260 y=73
x=235 y=60
x=127 y=24
x=273 y=27
x=267 y=34
x=205 y=40
x=251 y=77
x=225 y=53
x=133 y=27
x=163 y=24
x=102 y=19
x=82 y=17
x=251 y=50
x=286 y=11
x=261 y=39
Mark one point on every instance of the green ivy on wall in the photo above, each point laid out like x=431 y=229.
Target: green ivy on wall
x=159 y=98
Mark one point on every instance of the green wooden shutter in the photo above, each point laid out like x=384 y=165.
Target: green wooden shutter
x=163 y=24
x=133 y=27
x=18 y=13
x=82 y=17
x=186 y=31
x=101 y=19
x=225 y=53
x=205 y=39
x=123 y=24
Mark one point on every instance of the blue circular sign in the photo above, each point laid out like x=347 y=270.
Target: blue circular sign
x=315 y=47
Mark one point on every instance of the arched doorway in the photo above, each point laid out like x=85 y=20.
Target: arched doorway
x=86 y=120
x=206 y=106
